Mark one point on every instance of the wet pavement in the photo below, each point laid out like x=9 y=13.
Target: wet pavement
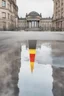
x=16 y=78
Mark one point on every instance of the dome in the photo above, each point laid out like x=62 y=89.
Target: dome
x=33 y=13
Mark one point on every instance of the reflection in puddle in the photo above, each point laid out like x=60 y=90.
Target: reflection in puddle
x=36 y=83
x=44 y=54
x=32 y=53
x=41 y=80
x=47 y=78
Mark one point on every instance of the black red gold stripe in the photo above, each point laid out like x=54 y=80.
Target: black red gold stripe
x=32 y=53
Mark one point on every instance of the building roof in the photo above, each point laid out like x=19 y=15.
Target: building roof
x=33 y=13
x=48 y=18
x=22 y=18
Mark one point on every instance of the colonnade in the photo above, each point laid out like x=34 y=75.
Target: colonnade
x=33 y=24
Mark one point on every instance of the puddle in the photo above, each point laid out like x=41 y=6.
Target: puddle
x=36 y=83
x=48 y=76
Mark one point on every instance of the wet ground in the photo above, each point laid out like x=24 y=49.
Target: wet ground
x=16 y=78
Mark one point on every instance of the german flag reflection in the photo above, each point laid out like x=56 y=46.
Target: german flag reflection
x=32 y=53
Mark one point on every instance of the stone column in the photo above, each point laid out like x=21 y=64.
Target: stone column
x=34 y=23
x=28 y=24
x=38 y=24
x=31 y=24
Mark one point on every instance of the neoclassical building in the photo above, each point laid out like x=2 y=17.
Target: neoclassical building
x=9 y=19
x=8 y=15
x=58 y=17
x=34 y=22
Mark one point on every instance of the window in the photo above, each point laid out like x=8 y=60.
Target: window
x=3 y=15
x=3 y=3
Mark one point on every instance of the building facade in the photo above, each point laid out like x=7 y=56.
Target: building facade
x=8 y=15
x=58 y=16
x=34 y=22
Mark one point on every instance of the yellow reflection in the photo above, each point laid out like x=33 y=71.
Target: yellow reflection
x=32 y=66
x=32 y=51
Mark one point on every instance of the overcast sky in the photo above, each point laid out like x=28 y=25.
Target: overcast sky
x=41 y=6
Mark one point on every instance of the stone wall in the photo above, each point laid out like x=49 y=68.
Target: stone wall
x=22 y=24
x=45 y=24
x=10 y=20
